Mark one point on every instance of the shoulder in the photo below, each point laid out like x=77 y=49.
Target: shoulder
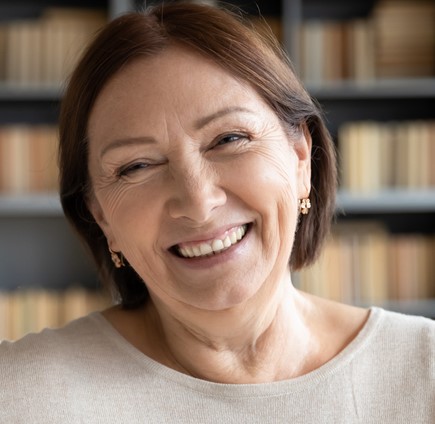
x=46 y=369
x=61 y=375
x=408 y=332
x=34 y=353
x=399 y=346
x=393 y=373
x=84 y=326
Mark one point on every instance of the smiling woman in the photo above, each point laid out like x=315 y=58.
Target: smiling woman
x=200 y=174
x=221 y=41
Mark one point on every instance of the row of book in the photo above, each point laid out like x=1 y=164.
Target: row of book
x=31 y=310
x=43 y=51
x=373 y=156
x=334 y=51
x=376 y=155
x=363 y=264
x=405 y=38
x=28 y=159
x=397 y=40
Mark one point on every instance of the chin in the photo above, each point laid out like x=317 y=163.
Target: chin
x=225 y=298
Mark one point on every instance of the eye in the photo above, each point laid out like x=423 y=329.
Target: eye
x=231 y=138
x=131 y=169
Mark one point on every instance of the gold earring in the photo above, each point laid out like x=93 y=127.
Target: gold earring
x=304 y=206
x=118 y=260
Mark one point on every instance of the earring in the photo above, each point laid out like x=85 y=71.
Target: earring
x=118 y=260
x=304 y=206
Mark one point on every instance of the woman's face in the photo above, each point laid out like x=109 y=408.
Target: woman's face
x=195 y=180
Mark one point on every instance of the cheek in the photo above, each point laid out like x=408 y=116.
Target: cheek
x=130 y=215
x=275 y=192
x=269 y=181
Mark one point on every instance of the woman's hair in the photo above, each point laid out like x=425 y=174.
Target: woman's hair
x=232 y=43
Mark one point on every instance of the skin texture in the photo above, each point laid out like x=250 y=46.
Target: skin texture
x=181 y=152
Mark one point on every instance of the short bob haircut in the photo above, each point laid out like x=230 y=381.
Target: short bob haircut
x=232 y=43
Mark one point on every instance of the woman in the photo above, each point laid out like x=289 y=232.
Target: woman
x=199 y=172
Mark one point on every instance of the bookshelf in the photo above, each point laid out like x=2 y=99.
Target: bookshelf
x=365 y=92
x=34 y=231
x=46 y=276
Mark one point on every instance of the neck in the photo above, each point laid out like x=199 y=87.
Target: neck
x=244 y=344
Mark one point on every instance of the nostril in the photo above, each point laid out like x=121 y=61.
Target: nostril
x=196 y=202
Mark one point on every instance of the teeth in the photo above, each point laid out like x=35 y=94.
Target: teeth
x=205 y=249
x=227 y=242
x=217 y=245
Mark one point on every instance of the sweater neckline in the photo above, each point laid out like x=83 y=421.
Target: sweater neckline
x=297 y=384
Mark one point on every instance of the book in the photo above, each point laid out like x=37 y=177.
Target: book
x=28 y=159
x=396 y=40
x=382 y=155
x=405 y=38
x=43 y=51
x=363 y=264
x=24 y=311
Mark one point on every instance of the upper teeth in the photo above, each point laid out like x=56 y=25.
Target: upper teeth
x=213 y=246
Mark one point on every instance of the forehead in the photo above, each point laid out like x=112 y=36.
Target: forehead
x=176 y=80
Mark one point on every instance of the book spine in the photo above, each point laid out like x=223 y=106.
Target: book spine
x=31 y=310
x=396 y=40
x=43 y=51
x=28 y=160
x=376 y=156
x=364 y=264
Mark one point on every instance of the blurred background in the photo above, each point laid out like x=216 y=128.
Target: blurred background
x=369 y=63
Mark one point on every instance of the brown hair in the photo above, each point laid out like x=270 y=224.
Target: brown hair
x=233 y=44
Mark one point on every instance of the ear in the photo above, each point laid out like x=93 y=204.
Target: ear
x=302 y=148
x=98 y=214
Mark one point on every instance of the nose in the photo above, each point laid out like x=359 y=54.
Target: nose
x=196 y=193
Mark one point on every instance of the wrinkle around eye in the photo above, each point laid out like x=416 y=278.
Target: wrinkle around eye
x=139 y=171
x=133 y=168
x=232 y=138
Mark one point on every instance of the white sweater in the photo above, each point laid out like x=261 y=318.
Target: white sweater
x=88 y=373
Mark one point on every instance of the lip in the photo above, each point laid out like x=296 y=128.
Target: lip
x=204 y=262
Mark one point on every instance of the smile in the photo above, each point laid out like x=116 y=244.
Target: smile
x=211 y=247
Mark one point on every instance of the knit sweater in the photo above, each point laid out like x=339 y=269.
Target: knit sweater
x=87 y=372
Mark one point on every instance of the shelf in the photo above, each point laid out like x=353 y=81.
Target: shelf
x=423 y=307
x=387 y=201
x=24 y=205
x=379 y=89
x=37 y=93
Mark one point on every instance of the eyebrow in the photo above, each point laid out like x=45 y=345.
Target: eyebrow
x=124 y=142
x=200 y=123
